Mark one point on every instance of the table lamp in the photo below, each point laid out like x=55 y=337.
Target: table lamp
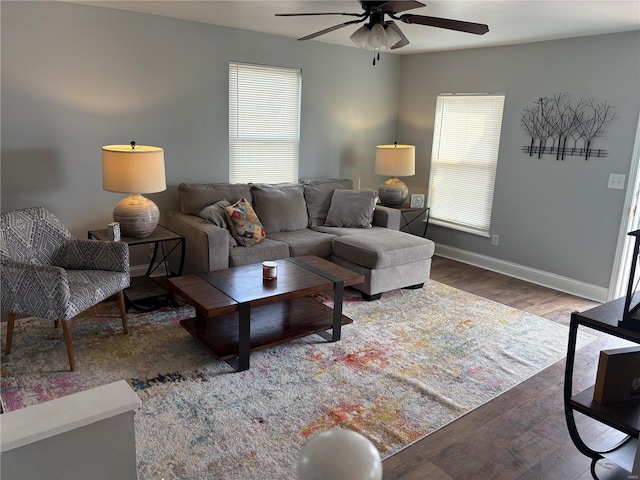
x=134 y=169
x=394 y=161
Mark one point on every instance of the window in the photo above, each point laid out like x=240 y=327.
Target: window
x=466 y=137
x=264 y=123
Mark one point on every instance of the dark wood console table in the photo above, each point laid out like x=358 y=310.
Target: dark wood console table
x=623 y=416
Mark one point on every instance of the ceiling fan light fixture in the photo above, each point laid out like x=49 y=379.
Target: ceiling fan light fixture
x=361 y=36
x=392 y=37
x=377 y=36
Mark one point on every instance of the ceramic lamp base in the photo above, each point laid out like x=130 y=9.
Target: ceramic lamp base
x=393 y=192
x=138 y=216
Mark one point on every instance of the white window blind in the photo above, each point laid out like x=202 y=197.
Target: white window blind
x=264 y=123
x=466 y=137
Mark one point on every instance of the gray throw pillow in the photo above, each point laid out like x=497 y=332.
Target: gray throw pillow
x=217 y=215
x=280 y=207
x=351 y=208
x=318 y=192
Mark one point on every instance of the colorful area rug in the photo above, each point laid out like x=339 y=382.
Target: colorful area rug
x=409 y=364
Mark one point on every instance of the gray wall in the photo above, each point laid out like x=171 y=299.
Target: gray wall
x=554 y=216
x=77 y=77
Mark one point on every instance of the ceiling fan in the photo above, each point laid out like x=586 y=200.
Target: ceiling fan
x=379 y=33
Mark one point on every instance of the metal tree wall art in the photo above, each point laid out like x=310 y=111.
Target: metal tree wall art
x=556 y=126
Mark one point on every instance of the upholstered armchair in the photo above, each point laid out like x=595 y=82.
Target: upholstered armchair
x=46 y=273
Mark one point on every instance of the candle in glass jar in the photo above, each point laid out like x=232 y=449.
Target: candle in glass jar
x=269 y=270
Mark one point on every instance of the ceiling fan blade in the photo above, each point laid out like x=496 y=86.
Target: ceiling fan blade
x=468 y=27
x=331 y=29
x=314 y=14
x=403 y=40
x=397 y=6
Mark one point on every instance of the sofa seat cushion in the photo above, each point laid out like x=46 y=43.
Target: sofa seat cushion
x=318 y=193
x=267 y=249
x=342 y=231
x=280 y=207
x=382 y=248
x=305 y=242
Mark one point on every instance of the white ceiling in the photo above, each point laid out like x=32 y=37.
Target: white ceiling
x=510 y=21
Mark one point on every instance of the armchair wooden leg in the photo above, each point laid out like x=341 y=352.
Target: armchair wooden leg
x=69 y=345
x=56 y=323
x=123 y=312
x=11 y=318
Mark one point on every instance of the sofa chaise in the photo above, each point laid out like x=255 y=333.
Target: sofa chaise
x=323 y=217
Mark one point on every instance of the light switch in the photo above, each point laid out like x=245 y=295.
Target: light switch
x=616 y=181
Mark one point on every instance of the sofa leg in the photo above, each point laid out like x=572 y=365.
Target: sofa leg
x=370 y=298
x=414 y=287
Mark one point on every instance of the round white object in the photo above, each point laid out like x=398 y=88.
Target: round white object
x=339 y=454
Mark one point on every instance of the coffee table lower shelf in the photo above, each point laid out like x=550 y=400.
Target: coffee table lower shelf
x=271 y=324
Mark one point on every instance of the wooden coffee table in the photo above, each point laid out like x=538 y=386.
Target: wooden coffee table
x=238 y=312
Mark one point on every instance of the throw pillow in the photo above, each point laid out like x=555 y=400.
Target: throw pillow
x=244 y=223
x=217 y=215
x=318 y=192
x=351 y=208
x=281 y=207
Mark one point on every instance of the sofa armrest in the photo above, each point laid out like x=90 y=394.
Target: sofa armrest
x=387 y=217
x=206 y=246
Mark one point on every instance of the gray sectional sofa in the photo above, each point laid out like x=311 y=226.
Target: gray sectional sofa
x=323 y=217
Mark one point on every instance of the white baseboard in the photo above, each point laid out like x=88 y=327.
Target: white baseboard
x=539 y=277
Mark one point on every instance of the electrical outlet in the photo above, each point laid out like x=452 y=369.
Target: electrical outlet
x=616 y=181
x=494 y=240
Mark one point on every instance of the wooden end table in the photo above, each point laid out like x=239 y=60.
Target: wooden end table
x=238 y=312
x=147 y=287
x=412 y=214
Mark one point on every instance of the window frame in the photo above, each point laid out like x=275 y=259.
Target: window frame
x=471 y=160
x=264 y=129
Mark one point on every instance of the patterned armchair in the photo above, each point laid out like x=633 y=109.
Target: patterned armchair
x=46 y=273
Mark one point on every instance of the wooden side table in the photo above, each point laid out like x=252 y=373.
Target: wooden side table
x=151 y=286
x=413 y=214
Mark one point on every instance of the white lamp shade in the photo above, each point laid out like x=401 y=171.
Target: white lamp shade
x=361 y=36
x=133 y=170
x=395 y=160
x=392 y=37
x=378 y=37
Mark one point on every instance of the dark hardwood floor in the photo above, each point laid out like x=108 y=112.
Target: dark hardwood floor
x=522 y=433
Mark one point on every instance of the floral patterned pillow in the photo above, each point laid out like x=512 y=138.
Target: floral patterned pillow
x=244 y=223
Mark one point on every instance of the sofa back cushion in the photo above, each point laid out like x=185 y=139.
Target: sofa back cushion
x=318 y=193
x=196 y=196
x=351 y=208
x=280 y=207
